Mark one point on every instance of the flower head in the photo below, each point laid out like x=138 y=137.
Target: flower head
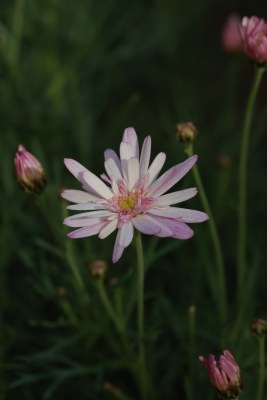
x=30 y=173
x=224 y=374
x=133 y=196
x=231 y=37
x=253 y=31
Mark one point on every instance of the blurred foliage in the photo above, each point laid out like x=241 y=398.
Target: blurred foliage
x=73 y=75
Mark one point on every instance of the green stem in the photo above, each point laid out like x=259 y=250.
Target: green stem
x=261 y=343
x=140 y=314
x=71 y=260
x=242 y=194
x=108 y=306
x=192 y=348
x=221 y=297
x=17 y=28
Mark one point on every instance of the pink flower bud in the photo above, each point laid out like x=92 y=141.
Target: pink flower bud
x=231 y=37
x=253 y=31
x=30 y=173
x=224 y=374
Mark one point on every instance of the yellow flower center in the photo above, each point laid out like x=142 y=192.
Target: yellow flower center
x=127 y=202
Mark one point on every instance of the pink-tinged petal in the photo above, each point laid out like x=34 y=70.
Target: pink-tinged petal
x=175 y=197
x=142 y=223
x=171 y=177
x=75 y=168
x=112 y=169
x=105 y=178
x=145 y=156
x=129 y=136
x=179 y=229
x=81 y=222
x=108 y=228
x=87 y=207
x=149 y=225
x=123 y=239
x=109 y=153
x=156 y=167
x=78 y=196
x=87 y=231
x=183 y=214
x=85 y=218
x=132 y=172
x=170 y=227
x=96 y=185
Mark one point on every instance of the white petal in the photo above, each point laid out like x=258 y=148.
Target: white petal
x=117 y=252
x=183 y=214
x=78 y=196
x=86 y=231
x=108 y=229
x=88 y=207
x=175 y=197
x=97 y=185
x=84 y=218
x=112 y=169
x=145 y=155
x=114 y=186
x=75 y=168
x=171 y=177
x=123 y=239
x=126 y=151
x=126 y=234
x=132 y=172
x=129 y=136
x=156 y=167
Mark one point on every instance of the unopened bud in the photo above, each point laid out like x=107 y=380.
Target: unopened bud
x=29 y=171
x=98 y=268
x=186 y=131
x=259 y=326
x=224 y=374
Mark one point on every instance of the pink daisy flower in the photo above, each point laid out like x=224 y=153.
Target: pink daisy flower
x=132 y=197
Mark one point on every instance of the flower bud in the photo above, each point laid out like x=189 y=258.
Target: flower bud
x=30 y=173
x=231 y=37
x=259 y=326
x=98 y=268
x=253 y=32
x=225 y=375
x=186 y=131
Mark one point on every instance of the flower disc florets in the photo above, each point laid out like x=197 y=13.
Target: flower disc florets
x=132 y=198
